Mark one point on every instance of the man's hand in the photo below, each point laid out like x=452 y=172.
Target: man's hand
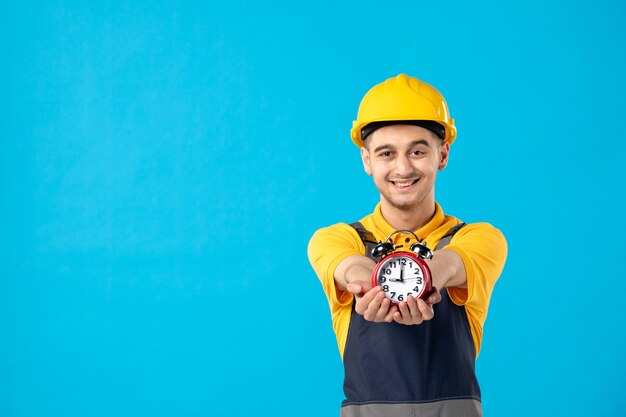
x=371 y=303
x=354 y=275
x=417 y=311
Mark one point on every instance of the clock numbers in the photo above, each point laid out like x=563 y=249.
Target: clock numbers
x=401 y=277
x=400 y=297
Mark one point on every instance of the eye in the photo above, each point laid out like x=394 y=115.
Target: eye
x=385 y=154
x=417 y=152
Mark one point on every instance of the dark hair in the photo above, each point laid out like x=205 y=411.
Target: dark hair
x=431 y=125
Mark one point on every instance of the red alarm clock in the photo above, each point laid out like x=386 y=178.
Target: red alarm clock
x=402 y=273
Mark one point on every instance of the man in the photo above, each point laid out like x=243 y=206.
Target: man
x=415 y=358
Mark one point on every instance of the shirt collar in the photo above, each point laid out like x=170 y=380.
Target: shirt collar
x=422 y=233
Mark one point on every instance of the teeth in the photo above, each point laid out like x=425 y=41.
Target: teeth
x=403 y=184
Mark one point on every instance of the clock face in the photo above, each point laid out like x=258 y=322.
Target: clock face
x=402 y=274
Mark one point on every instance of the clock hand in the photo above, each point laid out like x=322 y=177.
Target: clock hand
x=401 y=279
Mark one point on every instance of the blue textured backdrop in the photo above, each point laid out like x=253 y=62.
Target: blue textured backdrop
x=163 y=166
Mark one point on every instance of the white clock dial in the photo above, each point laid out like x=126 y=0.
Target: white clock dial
x=400 y=277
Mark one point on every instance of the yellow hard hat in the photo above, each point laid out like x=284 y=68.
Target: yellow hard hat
x=403 y=98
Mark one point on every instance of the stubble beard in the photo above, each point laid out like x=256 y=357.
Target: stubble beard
x=406 y=206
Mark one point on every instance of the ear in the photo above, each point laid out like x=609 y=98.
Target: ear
x=444 y=153
x=365 y=157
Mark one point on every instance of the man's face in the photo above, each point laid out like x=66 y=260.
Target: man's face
x=403 y=160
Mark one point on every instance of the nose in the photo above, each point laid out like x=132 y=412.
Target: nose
x=403 y=166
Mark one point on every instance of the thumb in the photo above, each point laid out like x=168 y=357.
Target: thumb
x=434 y=297
x=355 y=288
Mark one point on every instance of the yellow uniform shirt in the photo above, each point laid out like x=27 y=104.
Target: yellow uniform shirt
x=482 y=248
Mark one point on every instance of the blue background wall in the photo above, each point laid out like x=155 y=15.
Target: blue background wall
x=163 y=166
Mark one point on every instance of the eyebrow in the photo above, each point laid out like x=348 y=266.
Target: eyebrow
x=413 y=143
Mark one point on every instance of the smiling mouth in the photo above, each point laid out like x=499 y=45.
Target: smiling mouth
x=404 y=184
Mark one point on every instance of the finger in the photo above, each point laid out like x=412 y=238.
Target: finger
x=357 y=287
x=374 y=306
x=434 y=297
x=354 y=288
x=416 y=314
x=392 y=310
x=397 y=317
x=382 y=311
x=405 y=312
x=364 y=301
x=426 y=310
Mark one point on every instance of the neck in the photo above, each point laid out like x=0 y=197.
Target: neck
x=407 y=219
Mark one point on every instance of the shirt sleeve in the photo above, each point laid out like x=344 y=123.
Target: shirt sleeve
x=327 y=248
x=483 y=250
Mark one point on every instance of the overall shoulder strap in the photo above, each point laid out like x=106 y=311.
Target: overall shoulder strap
x=445 y=240
x=367 y=238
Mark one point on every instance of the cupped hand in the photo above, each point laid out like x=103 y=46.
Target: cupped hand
x=371 y=303
x=416 y=311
